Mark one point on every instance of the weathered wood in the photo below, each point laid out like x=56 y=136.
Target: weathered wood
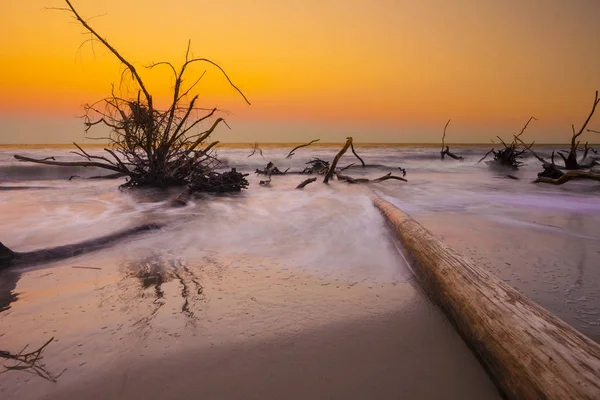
x=339 y=155
x=305 y=182
x=529 y=352
x=292 y=152
x=9 y=258
x=567 y=176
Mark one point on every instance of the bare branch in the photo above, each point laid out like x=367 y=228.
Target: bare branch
x=306 y=182
x=354 y=152
x=339 y=155
x=291 y=153
x=114 y=51
x=70 y=164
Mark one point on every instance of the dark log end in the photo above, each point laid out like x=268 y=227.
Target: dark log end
x=6 y=255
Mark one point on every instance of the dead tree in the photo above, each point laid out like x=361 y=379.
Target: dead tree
x=31 y=362
x=550 y=169
x=149 y=145
x=336 y=159
x=254 y=150
x=511 y=154
x=446 y=150
x=316 y=166
x=568 y=176
x=570 y=159
x=292 y=152
x=270 y=169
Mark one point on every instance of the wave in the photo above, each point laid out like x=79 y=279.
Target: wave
x=16 y=173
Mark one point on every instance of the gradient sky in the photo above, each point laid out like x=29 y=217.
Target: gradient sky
x=379 y=70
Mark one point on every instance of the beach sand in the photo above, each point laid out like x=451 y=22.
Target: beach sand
x=232 y=327
x=551 y=258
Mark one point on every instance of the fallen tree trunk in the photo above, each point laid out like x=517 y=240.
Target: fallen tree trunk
x=568 y=176
x=9 y=258
x=529 y=352
x=350 y=179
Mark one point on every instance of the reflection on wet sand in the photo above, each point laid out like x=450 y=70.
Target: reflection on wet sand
x=143 y=281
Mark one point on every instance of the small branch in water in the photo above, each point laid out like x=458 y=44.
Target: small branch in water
x=346 y=167
x=291 y=153
x=357 y=156
x=349 y=179
x=254 y=150
x=306 y=182
x=446 y=151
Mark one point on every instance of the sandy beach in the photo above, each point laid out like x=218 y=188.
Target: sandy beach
x=233 y=328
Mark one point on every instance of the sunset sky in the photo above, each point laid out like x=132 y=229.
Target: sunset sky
x=379 y=70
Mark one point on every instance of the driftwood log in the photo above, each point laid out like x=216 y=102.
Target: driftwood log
x=336 y=159
x=446 y=149
x=568 y=176
x=529 y=352
x=10 y=258
x=350 y=179
x=305 y=182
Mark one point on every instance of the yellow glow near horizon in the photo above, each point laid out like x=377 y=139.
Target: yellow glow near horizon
x=394 y=63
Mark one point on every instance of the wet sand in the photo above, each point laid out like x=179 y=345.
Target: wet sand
x=230 y=328
x=552 y=259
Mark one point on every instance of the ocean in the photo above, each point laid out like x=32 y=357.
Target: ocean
x=544 y=240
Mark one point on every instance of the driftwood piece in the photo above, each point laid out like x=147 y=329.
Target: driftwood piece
x=339 y=155
x=306 y=182
x=349 y=179
x=512 y=152
x=316 y=166
x=446 y=151
x=254 y=150
x=291 y=153
x=570 y=159
x=270 y=169
x=568 y=176
x=529 y=352
x=30 y=362
x=550 y=168
x=10 y=258
x=356 y=155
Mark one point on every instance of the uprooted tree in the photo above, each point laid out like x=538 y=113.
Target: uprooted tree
x=151 y=146
x=570 y=159
x=510 y=156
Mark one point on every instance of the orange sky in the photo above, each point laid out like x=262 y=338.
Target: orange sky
x=381 y=70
